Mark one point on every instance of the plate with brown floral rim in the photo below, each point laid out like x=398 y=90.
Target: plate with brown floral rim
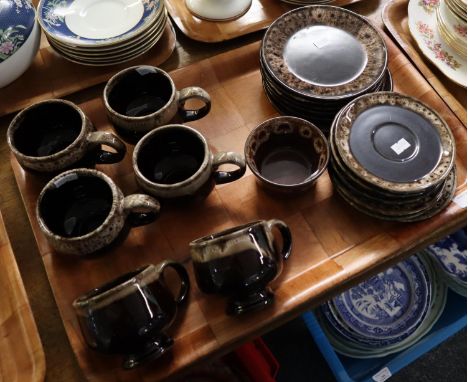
x=347 y=175
x=433 y=208
x=304 y=50
x=394 y=153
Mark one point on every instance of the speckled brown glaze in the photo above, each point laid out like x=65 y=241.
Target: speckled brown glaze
x=109 y=230
x=229 y=241
x=145 y=275
x=278 y=34
x=287 y=125
x=164 y=115
x=88 y=139
x=342 y=129
x=205 y=174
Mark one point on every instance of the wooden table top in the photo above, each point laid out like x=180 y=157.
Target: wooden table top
x=60 y=361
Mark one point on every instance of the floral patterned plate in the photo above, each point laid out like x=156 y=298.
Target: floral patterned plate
x=389 y=304
x=423 y=27
x=97 y=22
x=16 y=24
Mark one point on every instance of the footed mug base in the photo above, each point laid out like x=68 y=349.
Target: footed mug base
x=252 y=302
x=152 y=351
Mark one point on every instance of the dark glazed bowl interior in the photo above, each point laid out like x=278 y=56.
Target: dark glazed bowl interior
x=287 y=153
x=170 y=156
x=76 y=205
x=47 y=129
x=140 y=91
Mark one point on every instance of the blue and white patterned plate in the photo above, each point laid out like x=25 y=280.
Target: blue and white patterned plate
x=17 y=19
x=96 y=22
x=436 y=307
x=450 y=254
x=389 y=304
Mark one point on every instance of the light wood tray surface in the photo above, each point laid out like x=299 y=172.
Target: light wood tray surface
x=52 y=76
x=260 y=15
x=21 y=354
x=334 y=245
x=395 y=18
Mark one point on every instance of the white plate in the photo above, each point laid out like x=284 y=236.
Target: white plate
x=423 y=27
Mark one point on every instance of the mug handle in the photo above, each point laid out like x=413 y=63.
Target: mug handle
x=221 y=177
x=140 y=209
x=285 y=233
x=197 y=93
x=183 y=276
x=108 y=139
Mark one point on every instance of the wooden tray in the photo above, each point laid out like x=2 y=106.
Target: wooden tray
x=52 y=76
x=260 y=15
x=334 y=245
x=395 y=18
x=22 y=357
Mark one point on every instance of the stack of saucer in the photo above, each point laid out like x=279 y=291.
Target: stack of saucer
x=392 y=157
x=451 y=22
x=102 y=32
x=316 y=59
x=449 y=255
x=387 y=313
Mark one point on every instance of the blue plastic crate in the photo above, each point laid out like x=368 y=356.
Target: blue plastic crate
x=347 y=369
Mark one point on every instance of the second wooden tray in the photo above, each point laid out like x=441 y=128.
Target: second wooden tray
x=260 y=15
x=21 y=355
x=395 y=18
x=52 y=76
x=334 y=245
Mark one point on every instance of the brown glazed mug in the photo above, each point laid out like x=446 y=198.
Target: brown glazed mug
x=174 y=161
x=130 y=314
x=141 y=98
x=240 y=263
x=82 y=211
x=55 y=135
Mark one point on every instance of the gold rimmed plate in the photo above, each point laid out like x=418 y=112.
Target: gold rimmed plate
x=304 y=51
x=395 y=142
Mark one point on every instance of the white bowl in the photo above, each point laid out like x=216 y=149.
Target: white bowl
x=15 y=65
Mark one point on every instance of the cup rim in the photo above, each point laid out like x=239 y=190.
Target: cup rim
x=89 y=172
x=14 y=125
x=116 y=77
x=225 y=234
x=149 y=135
x=309 y=180
x=100 y=294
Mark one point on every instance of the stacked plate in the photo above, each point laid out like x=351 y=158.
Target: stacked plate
x=392 y=157
x=424 y=21
x=387 y=313
x=102 y=32
x=449 y=256
x=316 y=59
x=451 y=21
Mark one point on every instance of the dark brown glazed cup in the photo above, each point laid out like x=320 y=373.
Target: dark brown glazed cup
x=153 y=103
x=55 y=135
x=82 y=211
x=129 y=315
x=240 y=263
x=174 y=161
x=287 y=154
